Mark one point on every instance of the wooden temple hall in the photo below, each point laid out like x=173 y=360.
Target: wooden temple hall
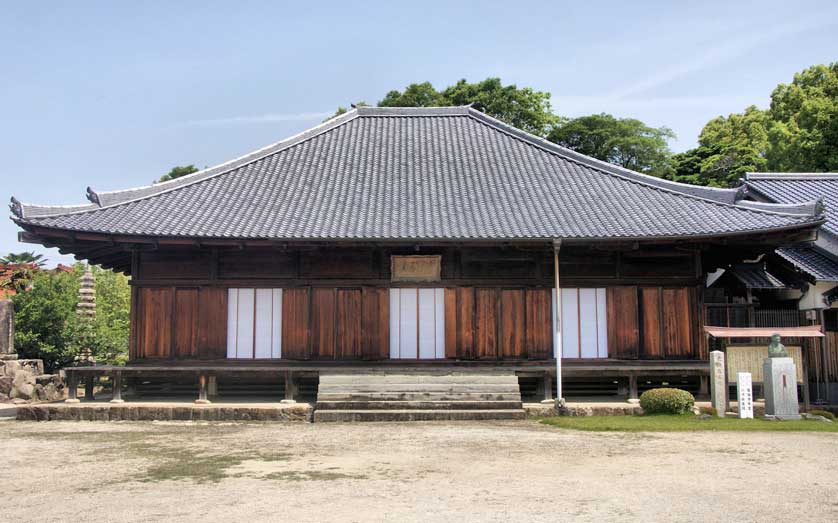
x=427 y=243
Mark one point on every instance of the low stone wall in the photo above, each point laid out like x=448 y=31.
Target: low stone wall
x=23 y=381
x=589 y=409
x=301 y=412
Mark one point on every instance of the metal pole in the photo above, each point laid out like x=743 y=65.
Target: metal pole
x=557 y=246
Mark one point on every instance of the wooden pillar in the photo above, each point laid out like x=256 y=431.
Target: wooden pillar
x=72 y=388
x=704 y=386
x=290 y=388
x=547 y=388
x=116 y=381
x=557 y=245
x=89 y=382
x=633 y=396
x=202 y=390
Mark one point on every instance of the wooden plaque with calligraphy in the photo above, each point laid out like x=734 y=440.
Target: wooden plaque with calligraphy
x=415 y=268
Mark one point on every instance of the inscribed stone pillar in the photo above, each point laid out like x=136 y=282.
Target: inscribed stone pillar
x=718 y=382
x=779 y=379
x=7 y=331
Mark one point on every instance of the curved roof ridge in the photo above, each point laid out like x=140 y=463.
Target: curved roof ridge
x=791 y=176
x=719 y=196
x=100 y=200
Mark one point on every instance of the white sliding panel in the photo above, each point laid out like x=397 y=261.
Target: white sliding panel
x=232 y=321
x=244 y=340
x=395 y=323
x=427 y=324
x=584 y=323
x=276 y=330
x=254 y=323
x=408 y=323
x=417 y=323
x=587 y=323
x=601 y=324
x=264 y=323
x=570 y=323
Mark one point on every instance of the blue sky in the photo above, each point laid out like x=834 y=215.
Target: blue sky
x=113 y=94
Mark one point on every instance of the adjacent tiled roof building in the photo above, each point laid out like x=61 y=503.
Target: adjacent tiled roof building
x=449 y=173
x=819 y=261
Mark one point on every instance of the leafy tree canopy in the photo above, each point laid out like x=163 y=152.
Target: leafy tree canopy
x=728 y=148
x=178 y=171
x=623 y=141
x=799 y=132
x=523 y=107
x=47 y=326
x=803 y=135
x=23 y=257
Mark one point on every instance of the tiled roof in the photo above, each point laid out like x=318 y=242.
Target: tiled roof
x=799 y=187
x=813 y=261
x=428 y=173
x=756 y=276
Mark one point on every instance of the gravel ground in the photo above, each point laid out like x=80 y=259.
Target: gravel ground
x=504 y=471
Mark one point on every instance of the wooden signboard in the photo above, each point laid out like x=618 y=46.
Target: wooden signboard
x=415 y=268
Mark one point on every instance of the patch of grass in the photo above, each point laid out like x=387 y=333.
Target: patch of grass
x=689 y=422
x=311 y=476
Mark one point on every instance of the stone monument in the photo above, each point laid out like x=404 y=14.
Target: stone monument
x=745 y=395
x=7 y=331
x=779 y=380
x=718 y=382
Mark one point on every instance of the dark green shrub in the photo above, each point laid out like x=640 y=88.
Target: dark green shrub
x=825 y=413
x=666 y=401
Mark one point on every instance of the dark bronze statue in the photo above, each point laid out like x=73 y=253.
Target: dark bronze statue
x=777 y=349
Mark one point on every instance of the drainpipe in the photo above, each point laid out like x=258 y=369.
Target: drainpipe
x=557 y=246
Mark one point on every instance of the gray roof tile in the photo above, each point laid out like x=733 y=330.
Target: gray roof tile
x=799 y=187
x=811 y=260
x=400 y=174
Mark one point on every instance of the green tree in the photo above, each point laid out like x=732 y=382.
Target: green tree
x=728 y=148
x=622 y=141
x=178 y=171
x=48 y=328
x=803 y=134
x=111 y=325
x=414 y=95
x=21 y=258
x=45 y=318
x=523 y=107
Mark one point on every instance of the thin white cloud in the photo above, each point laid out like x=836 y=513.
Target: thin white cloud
x=718 y=54
x=256 y=119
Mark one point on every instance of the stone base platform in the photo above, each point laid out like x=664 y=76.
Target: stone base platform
x=166 y=411
x=584 y=408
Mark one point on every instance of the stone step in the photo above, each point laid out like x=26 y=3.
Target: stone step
x=354 y=379
x=417 y=405
x=417 y=387
x=417 y=415
x=417 y=396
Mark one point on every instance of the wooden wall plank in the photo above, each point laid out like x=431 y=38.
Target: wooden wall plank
x=296 y=307
x=376 y=323
x=485 y=323
x=513 y=324
x=452 y=326
x=652 y=318
x=539 y=324
x=186 y=323
x=156 y=322
x=623 y=332
x=212 y=323
x=348 y=315
x=323 y=323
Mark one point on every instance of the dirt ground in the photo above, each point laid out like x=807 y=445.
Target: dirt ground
x=504 y=471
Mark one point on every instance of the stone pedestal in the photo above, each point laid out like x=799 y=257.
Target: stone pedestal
x=7 y=331
x=780 y=385
x=718 y=382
